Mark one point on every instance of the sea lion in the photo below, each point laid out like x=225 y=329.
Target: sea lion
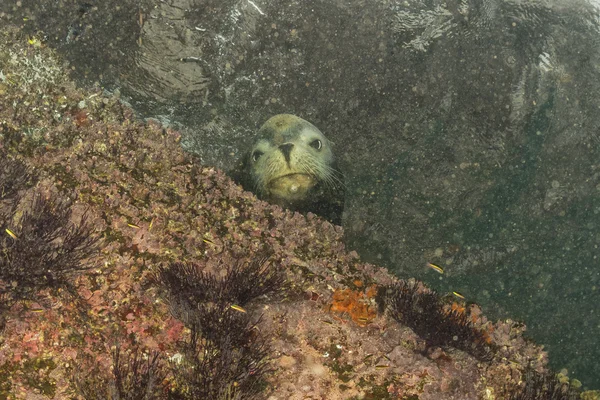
x=291 y=164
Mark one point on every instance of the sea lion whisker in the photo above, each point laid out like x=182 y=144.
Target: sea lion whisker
x=308 y=167
x=325 y=175
x=326 y=172
x=338 y=178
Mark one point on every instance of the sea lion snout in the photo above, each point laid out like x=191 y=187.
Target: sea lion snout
x=286 y=149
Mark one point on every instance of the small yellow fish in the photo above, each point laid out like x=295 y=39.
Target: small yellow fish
x=435 y=267
x=10 y=233
x=381 y=366
x=237 y=308
x=133 y=226
x=460 y=296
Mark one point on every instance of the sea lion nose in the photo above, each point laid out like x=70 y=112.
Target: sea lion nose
x=286 y=148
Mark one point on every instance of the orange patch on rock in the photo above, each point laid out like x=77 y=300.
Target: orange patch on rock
x=357 y=304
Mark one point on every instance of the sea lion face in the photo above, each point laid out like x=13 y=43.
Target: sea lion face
x=289 y=158
x=291 y=164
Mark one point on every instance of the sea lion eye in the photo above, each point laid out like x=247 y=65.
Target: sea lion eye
x=256 y=155
x=316 y=144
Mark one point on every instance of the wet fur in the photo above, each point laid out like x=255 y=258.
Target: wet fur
x=326 y=198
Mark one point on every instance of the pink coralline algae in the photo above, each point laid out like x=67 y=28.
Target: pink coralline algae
x=196 y=288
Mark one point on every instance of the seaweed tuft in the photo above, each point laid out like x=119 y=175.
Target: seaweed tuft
x=196 y=295
x=43 y=247
x=241 y=283
x=545 y=386
x=226 y=357
x=135 y=376
x=14 y=177
x=427 y=314
x=232 y=366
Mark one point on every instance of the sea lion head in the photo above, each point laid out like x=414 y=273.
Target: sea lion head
x=289 y=157
x=291 y=164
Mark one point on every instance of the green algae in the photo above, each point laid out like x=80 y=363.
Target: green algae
x=375 y=391
x=37 y=375
x=5 y=385
x=344 y=371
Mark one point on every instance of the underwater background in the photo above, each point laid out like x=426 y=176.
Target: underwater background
x=468 y=130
